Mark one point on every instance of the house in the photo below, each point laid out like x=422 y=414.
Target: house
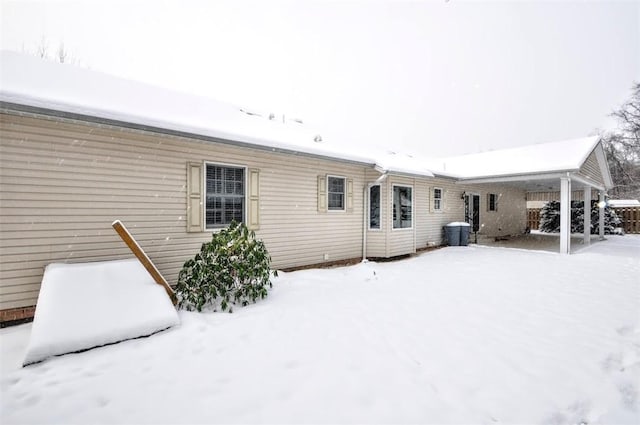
x=79 y=149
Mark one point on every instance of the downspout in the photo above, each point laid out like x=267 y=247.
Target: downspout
x=365 y=210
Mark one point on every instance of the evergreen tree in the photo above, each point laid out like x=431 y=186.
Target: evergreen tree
x=611 y=219
x=550 y=218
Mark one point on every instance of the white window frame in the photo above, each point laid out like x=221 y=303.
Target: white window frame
x=204 y=186
x=440 y=199
x=344 y=194
x=393 y=228
x=379 y=228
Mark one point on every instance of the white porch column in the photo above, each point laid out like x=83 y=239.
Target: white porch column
x=565 y=215
x=587 y=216
x=601 y=205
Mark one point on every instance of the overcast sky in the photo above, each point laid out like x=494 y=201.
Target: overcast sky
x=428 y=77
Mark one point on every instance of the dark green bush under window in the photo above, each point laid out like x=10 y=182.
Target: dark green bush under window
x=232 y=269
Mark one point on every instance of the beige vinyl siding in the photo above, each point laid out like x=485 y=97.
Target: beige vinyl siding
x=421 y=207
x=591 y=168
x=576 y=195
x=509 y=219
x=430 y=224
x=63 y=183
x=511 y=215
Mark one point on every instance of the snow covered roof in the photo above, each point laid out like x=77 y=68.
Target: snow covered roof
x=623 y=203
x=567 y=155
x=32 y=82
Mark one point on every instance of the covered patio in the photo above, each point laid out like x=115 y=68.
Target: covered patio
x=557 y=170
x=563 y=184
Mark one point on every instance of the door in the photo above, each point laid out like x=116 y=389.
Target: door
x=472 y=211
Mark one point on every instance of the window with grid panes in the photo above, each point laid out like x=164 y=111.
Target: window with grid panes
x=437 y=199
x=335 y=192
x=225 y=200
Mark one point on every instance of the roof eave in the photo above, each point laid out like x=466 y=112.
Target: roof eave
x=516 y=177
x=446 y=175
x=6 y=106
x=404 y=173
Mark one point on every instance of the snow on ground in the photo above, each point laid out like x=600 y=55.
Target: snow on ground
x=474 y=334
x=541 y=241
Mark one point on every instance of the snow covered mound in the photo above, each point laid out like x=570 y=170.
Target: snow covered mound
x=82 y=306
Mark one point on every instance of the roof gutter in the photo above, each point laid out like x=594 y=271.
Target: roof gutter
x=391 y=171
x=514 y=177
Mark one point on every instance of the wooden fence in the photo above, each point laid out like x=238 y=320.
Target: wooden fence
x=630 y=217
x=533 y=218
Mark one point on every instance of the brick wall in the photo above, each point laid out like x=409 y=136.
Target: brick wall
x=15 y=316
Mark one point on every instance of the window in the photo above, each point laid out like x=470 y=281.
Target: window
x=402 y=207
x=335 y=192
x=225 y=200
x=437 y=199
x=374 y=207
x=492 y=202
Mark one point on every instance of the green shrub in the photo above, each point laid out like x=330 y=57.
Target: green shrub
x=234 y=268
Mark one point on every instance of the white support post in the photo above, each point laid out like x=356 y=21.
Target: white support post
x=587 y=216
x=601 y=205
x=565 y=215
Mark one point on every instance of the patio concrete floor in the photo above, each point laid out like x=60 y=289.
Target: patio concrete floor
x=536 y=241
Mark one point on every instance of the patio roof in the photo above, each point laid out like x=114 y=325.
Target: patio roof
x=541 y=182
x=537 y=168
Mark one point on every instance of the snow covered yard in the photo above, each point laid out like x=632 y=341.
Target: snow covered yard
x=473 y=334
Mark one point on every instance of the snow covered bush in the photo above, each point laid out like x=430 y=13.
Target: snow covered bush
x=234 y=268
x=550 y=218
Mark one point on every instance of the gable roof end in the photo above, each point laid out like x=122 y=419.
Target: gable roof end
x=601 y=156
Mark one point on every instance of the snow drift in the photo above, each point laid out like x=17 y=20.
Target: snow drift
x=82 y=306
